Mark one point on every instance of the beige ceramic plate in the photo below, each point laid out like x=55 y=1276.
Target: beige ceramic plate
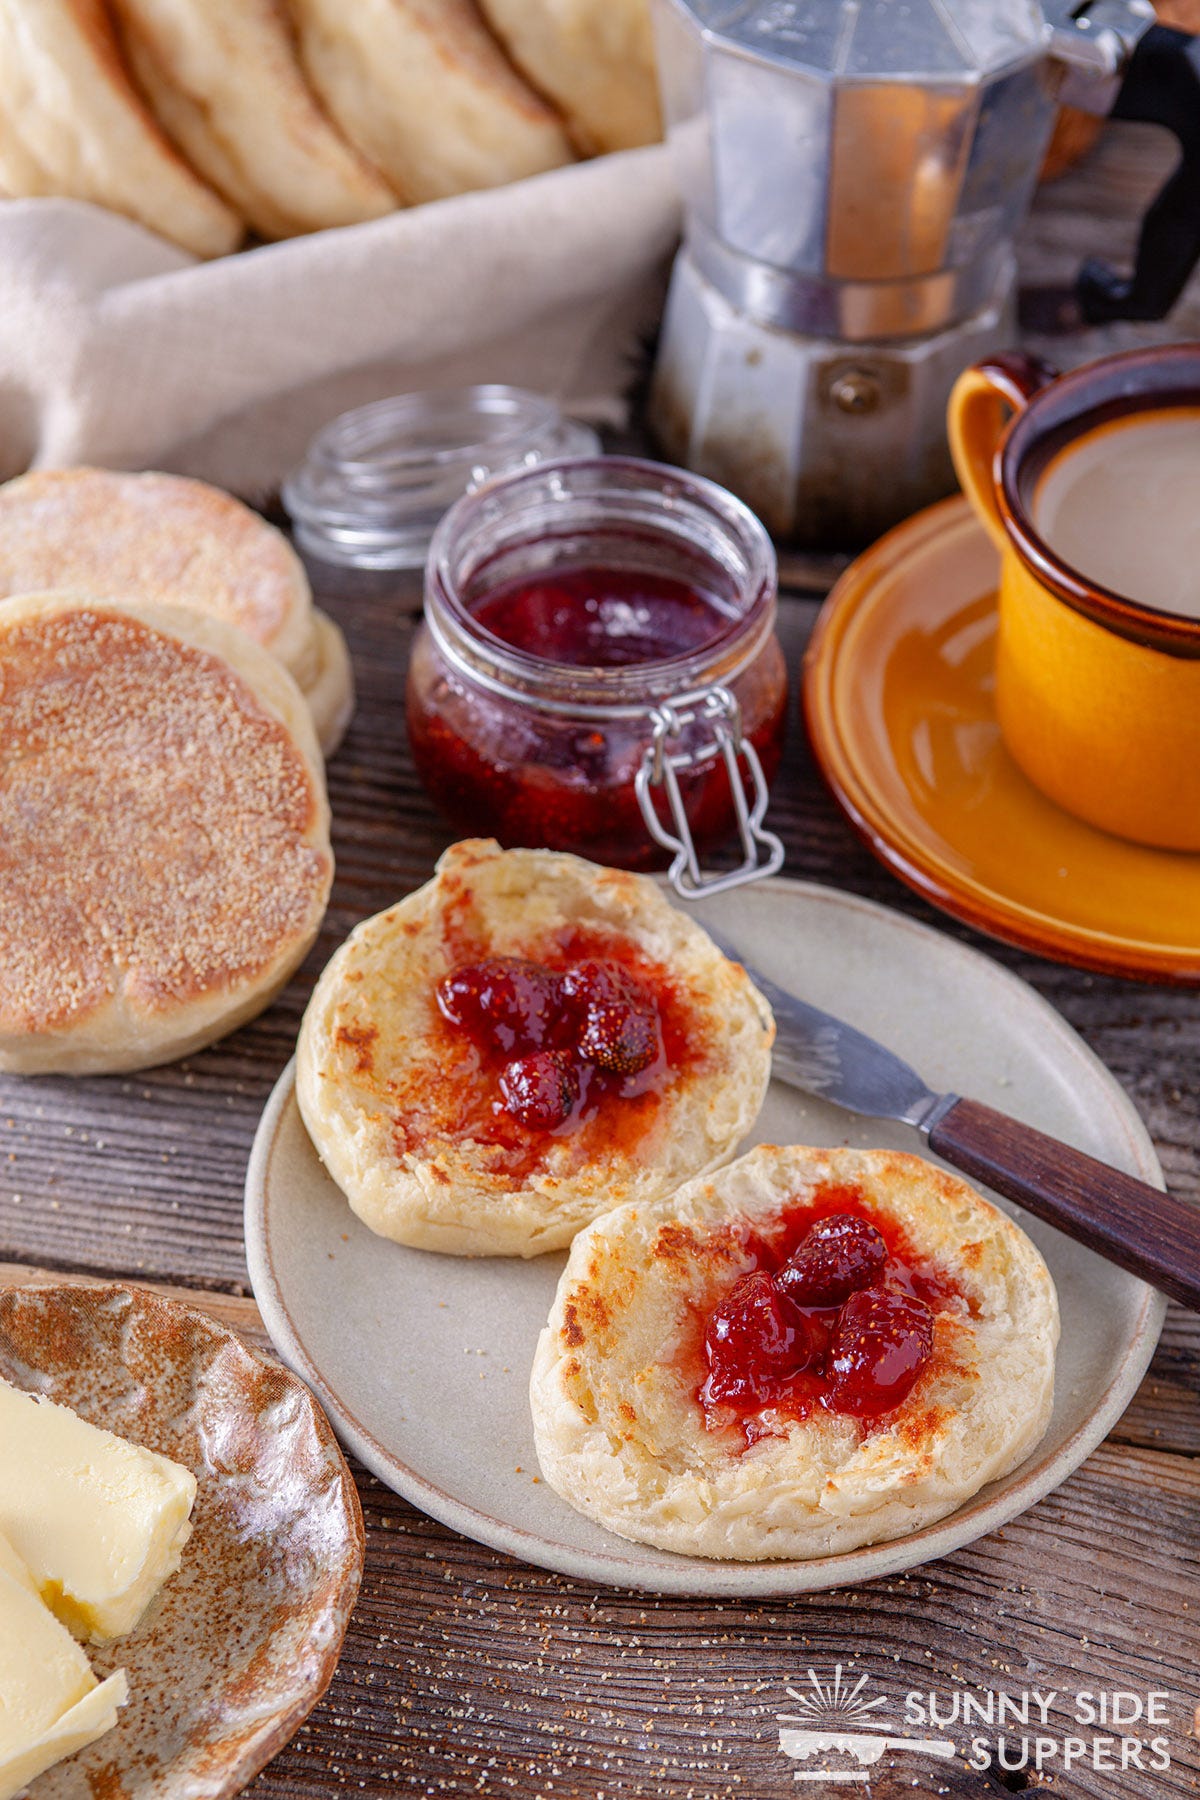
x=423 y=1361
x=243 y=1640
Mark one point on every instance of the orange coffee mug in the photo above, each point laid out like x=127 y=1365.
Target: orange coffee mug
x=1091 y=492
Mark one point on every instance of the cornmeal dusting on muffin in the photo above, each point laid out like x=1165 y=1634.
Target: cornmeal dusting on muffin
x=153 y=822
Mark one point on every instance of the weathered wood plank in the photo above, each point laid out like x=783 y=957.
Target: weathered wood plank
x=466 y=1672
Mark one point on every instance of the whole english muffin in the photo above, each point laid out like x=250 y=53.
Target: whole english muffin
x=224 y=81
x=164 y=538
x=424 y=91
x=593 y=58
x=164 y=832
x=72 y=124
x=407 y=1107
x=629 y=1428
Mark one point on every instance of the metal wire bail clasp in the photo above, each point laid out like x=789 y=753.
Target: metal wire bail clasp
x=762 y=852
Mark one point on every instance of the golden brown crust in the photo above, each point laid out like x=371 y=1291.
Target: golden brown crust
x=619 y=1428
x=164 y=851
x=392 y=1098
x=161 y=538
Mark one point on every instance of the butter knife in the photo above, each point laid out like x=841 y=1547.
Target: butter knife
x=1151 y=1233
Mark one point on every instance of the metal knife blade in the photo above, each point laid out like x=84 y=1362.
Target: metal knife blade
x=1153 y=1234
x=825 y=1056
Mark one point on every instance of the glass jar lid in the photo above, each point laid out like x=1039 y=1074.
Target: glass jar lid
x=377 y=480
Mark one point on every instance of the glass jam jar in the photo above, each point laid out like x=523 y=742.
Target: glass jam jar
x=598 y=669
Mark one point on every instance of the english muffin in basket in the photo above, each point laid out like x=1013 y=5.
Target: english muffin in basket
x=523 y=1043
x=72 y=124
x=224 y=81
x=593 y=58
x=809 y=1351
x=426 y=94
x=164 y=832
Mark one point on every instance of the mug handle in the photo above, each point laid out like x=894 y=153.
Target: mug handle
x=981 y=402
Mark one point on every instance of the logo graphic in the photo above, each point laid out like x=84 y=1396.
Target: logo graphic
x=832 y=1722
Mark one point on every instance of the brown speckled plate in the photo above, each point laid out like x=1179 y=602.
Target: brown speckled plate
x=242 y=1642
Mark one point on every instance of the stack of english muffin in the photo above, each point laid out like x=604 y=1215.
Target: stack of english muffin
x=206 y=120
x=166 y=690
x=176 y=542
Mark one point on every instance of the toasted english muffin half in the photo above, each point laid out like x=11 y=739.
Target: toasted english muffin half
x=73 y=124
x=403 y=1107
x=619 y=1423
x=425 y=92
x=593 y=58
x=161 y=538
x=224 y=81
x=164 y=832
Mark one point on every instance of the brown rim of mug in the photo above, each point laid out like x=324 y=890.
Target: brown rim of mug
x=1067 y=407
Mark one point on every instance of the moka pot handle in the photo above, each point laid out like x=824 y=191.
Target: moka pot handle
x=1161 y=87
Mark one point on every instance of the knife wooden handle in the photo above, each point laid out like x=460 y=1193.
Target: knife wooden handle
x=1148 y=1232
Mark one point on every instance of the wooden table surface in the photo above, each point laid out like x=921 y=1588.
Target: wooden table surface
x=467 y=1673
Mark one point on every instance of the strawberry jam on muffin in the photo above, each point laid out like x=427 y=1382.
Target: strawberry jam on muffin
x=525 y=1042
x=809 y=1351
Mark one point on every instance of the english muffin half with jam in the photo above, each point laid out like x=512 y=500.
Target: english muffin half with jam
x=164 y=832
x=523 y=1043
x=807 y=1352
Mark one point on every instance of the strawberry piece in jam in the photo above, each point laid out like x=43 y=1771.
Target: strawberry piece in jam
x=620 y=1039
x=510 y=1004
x=754 y=1339
x=615 y=1019
x=837 y=1315
x=541 y=1090
x=593 y=981
x=586 y=1043
x=881 y=1343
x=841 y=1253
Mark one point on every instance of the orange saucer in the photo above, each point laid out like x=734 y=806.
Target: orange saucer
x=898 y=699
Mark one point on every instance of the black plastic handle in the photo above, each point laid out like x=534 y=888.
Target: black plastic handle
x=1161 y=87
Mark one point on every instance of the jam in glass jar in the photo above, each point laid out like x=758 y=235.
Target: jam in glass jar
x=598 y=669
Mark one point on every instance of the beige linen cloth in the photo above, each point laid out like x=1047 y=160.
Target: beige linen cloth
x=118 y=349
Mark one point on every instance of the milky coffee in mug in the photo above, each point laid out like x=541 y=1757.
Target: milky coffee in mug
x=1089 y=485
x=1121 y=505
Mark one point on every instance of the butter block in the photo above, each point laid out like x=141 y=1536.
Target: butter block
x=50 y=1702
x=100 y=1523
